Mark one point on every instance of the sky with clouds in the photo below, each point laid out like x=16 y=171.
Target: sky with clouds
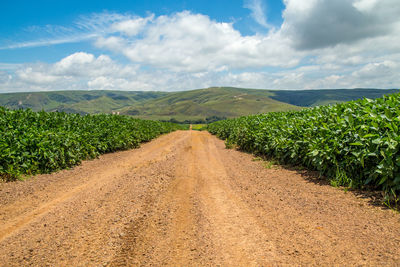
x=155 y=45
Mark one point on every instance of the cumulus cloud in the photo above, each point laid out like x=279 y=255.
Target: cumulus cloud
x=77 y=71
x=36 y=76
x=84 y=64
x=322 y=23
x=380 y=70
x=193 y=43
x=321 y=44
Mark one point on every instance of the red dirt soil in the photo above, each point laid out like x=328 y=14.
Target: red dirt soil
x=185 y=200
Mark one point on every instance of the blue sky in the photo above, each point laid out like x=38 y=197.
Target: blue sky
x=181 y=45
x=17 y=15
x=24 y=21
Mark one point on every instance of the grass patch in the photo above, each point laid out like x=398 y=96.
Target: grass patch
x=199 y=127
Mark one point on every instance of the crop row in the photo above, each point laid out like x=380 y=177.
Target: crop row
x=42 y=142
x=353 y=144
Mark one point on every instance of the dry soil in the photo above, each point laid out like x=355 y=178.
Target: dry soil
x=185 y=200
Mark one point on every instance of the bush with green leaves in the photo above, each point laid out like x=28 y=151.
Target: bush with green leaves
x=42 y=142
x=354 y=144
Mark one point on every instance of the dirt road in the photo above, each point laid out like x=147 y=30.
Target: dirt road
x=185 y=200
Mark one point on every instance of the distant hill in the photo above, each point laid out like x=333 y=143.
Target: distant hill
x=216 y=102
x=312 y=98
x=82 y=102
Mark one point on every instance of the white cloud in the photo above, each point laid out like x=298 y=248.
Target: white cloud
x=192 y=42
x=51 y=41
x=9 y=66
x=77 y=71
x=289 y=80
x=86 y=28
x=101 y=83
x=36 y=76
x=114 y=43
x=72 y=64
x=377 y=70
x=258 y=12
x=365 y=5
x=321 y=44
x=131 y=27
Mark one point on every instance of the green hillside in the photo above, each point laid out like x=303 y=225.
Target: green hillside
x=215 y=101
x=186 y=105
x=312 y=98
x=76 y=101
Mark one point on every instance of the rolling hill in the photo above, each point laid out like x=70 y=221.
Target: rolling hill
x=186 y=105
x=312 y=98
x=210 y=102
x=82 y=102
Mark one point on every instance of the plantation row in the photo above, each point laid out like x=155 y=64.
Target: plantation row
x=41 y=142
x=353 y=144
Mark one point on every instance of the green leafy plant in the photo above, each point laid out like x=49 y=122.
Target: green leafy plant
x=42 y=142
x=354 y=144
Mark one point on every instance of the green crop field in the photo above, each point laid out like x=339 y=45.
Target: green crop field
x=41 y=142
x=354 y=144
